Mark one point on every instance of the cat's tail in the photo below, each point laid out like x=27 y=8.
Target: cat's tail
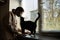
x=37 y=17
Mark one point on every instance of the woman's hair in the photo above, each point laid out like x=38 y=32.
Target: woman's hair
x=19 y=10
x=13 y=10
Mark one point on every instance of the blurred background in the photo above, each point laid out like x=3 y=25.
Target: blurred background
x=48 y=24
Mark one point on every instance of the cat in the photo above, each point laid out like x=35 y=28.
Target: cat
x=31 y=26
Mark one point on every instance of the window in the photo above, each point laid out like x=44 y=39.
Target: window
x=51 y=15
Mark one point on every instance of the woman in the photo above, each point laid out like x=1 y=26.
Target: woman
x=19 y=11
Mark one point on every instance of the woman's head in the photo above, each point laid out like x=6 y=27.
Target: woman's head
x=19 y=11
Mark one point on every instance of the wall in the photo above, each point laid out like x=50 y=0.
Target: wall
x=4 y=9
x=13 y=4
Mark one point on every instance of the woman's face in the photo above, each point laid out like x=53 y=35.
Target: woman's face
x=21 y=13
x=18 y=15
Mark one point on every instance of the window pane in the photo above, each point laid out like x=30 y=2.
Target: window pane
x=51 y=15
